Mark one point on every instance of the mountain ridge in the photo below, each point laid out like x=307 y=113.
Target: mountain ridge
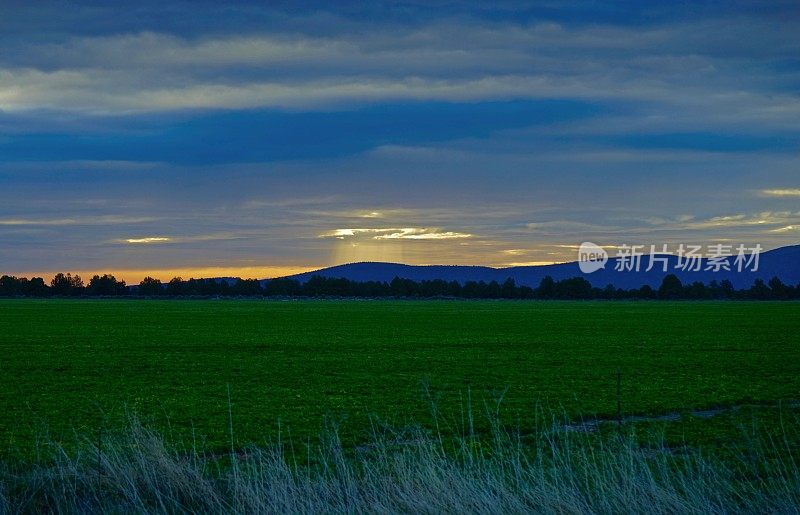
x=782 y=262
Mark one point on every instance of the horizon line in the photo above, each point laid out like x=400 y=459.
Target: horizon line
x=266 y=272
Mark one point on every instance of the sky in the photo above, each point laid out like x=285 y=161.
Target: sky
x=259 y=139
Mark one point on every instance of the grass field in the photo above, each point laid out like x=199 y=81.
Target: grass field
x=70 y=366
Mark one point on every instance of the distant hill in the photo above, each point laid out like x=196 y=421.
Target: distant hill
x=783 y=263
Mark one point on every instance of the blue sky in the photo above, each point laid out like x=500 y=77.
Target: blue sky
x=255 y=138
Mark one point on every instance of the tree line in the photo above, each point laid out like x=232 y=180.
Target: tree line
x=68 y=285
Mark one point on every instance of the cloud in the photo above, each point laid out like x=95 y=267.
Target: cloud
x=244 y=233
x=701 y=67
x=148 y=240
x=421 y=234
x=765 y=218
x=567 y=226
x=102 y=92
x=52 y=222
x=790 y=192
x=406 y=233
x=85 y=220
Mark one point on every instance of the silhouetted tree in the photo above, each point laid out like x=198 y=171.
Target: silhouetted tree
x=572 y=288
x=575 y=288
x=37 y=287
x=404 y=287
x=778 y=290
x=759 y=291
x=106 y=285
x=526 y=292
x=247 y=287
x=19 y=286
x=647 y=292
x=697 y=291
x=546 y=289
x=509 y=289
x=284 y=287
x=609 y=292
x=150 y=287
x=66 y=284
x=11 y=286
x=671 y=288
x=175 y=286
x=727 y=289
x=492 y=290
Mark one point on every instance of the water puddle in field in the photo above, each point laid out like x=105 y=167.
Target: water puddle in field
x=593 y=425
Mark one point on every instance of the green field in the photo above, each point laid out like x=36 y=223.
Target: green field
x=70 y=366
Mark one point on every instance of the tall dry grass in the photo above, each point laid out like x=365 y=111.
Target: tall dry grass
x=413 y=471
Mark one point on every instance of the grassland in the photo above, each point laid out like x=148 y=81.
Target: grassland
x=75 y=366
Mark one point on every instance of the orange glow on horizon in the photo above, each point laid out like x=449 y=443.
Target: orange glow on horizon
x=132 y=276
